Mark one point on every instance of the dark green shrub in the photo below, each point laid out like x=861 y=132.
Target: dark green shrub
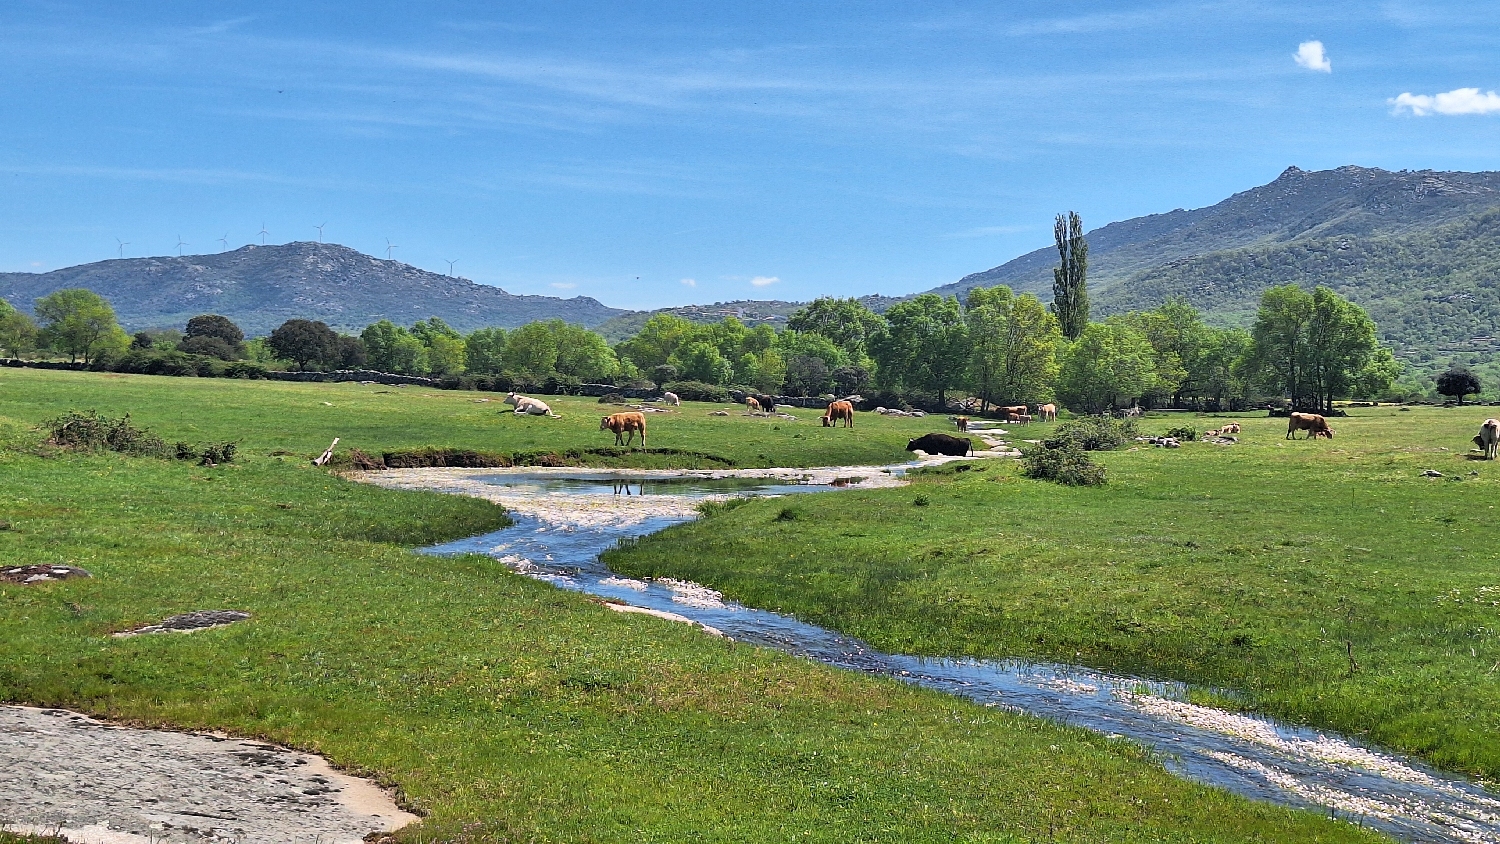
x=215 y=453
x=698 y=391
x=88 y=431
x=245 y=369
x=1067 y=463
x=1092 y=433
x=1183 y=433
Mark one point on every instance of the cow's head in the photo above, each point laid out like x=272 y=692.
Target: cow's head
x=603 y=422
x=827 y=421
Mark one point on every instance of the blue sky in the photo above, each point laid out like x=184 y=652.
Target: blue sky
x=654 y=153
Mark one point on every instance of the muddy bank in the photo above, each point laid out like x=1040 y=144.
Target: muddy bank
x=98 y=783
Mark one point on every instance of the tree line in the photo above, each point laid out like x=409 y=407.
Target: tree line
x=996 y=347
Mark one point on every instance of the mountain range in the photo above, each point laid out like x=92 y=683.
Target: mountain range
x=260 y=287
x=1419 y=249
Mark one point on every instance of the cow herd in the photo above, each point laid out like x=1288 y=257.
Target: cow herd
x=627 y=424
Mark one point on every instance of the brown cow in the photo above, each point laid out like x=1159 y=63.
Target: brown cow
x=1048 y=412
x=623 y=423
x=752 y=404
x=839 y=410
x=1312 y=423
x=1013 y=410
x=962 y=422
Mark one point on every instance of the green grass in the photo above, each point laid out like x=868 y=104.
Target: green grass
x=1254 y=569
x=266 y=416
x=505 y=709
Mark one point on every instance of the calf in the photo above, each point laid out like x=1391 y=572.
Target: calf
x=1489 y=438
x=945 y=444
x=1312 y=423
x=623 y=423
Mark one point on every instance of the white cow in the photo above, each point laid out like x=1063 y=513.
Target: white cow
x=526 y=406
x=1489 y=438
x=671 y=398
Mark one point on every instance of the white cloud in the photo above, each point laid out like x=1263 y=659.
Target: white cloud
x=1311 y=56
x=563 y=285
x=690 y=282
x=763 y=281
x=1457 y=101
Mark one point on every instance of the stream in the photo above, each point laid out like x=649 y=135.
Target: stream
x=565 y=518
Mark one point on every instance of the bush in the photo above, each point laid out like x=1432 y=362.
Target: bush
x=245 y=369
x=1093 y=433
x=698 y=391
x=1066 y=464
x=1183 y=433
x=88 y=431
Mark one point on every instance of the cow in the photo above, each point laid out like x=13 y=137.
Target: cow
x=1012 y=410
x=962 y=422
x=945 y=444
x=526 y=406
x=623 y=423
x=767 y=403
x=1230 y=428
x=1312 y=423
x=1489 y=438
x=672 y=399
x=1016 y=418
x=1134 y=412
x=1048 y=412
x=839 y=410
x=752 y=403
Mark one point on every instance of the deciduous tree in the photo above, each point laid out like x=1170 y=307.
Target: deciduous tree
x=1070 y=298
x=79 y=323
x=1013 y=346
x=1110 y=364
x=1458 y=381
x=18 y=332
x=305 y=342
x=923 y=346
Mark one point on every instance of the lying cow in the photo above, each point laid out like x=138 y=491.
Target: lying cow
x=1230 y=428
x=839 y=410
x=945 y=444
x=1489 y=438
x=625 y=423
x=527 y=406
x=1312 y=423
x=672 y=399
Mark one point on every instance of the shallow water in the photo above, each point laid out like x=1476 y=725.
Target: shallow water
x=616 y=483
x=1255 y=757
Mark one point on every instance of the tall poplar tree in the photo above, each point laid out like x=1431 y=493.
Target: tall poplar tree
x=1070 y=298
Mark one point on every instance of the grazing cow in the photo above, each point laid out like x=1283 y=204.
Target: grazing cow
x=672 y=399
x=623 y=423
x=767 y=403
x=945 y=444
x=838 y=410
x=752 y=403
x=526 y=406
x=963 y=423
x=1312 y=423
x=1048 y=412
x=1489 y=438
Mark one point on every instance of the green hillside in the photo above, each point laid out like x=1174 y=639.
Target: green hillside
x=1432 y=293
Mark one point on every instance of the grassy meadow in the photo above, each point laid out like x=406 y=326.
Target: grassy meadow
x=501 y=708
x=1324 y=582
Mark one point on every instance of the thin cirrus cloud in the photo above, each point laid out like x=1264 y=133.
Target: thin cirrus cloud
x=764 y=281
x=1310 y=54
x=1457 y=101
x=563 y=285
x=690 y=282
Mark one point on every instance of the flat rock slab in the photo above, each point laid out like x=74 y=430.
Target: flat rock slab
x=40 y=574
x=98 y=783
x=188 y=622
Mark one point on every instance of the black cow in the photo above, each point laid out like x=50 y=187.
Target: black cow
x=945 y=444
x=767 y=403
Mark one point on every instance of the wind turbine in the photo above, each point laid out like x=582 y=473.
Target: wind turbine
x=181 y=243
x=450 y=266
x=263 y=234
x=320 y=232
x=224 y=242
x=123 y=244
x=388 y=247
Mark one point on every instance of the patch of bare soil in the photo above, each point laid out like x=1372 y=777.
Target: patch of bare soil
x=40 y=574
x=91 y=782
